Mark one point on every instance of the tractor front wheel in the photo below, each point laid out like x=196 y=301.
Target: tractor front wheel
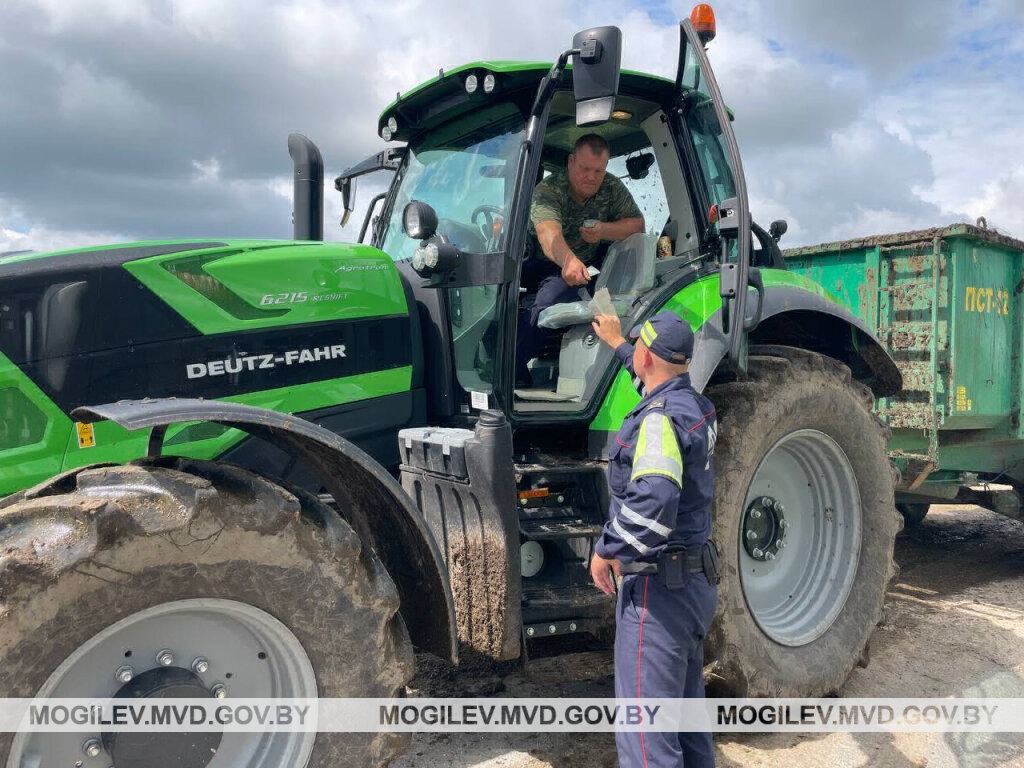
x=180 y=578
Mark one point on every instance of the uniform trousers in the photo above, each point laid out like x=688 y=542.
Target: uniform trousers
x=659 y=653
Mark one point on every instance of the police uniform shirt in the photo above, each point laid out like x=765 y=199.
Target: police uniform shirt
x=553 y=201
x=660 y=472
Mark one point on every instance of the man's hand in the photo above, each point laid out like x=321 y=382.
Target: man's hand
x=609 y=329
x=574 y=271
x=594 y=234
x=601 y=572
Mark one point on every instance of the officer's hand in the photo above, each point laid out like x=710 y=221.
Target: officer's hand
x=593 y=234
x=601 y=572
x=608 y=329
x=574 y=271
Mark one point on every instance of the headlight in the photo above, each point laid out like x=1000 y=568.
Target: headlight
x=488 y=83
x=431 y=255
x=393 y=124
x=471 y=84
x=385 y=133
x=419 y=220
x=418 y=259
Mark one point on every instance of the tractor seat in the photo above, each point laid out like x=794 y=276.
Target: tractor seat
x=628 y=272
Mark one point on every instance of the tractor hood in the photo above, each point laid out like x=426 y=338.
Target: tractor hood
x=200 y=319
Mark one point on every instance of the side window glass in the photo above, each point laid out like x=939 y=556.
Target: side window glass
x=649 y=192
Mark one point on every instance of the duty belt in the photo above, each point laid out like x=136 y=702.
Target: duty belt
x=675 y=562
x=692 y=563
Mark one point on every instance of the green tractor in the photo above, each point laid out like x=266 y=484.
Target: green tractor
x=273 y=469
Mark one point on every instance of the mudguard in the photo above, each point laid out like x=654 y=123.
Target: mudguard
x=369 y=498
x=798 y=313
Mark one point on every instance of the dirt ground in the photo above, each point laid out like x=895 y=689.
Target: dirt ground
x=954 y=627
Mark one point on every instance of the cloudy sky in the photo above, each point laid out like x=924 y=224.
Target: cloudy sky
x=137 y=119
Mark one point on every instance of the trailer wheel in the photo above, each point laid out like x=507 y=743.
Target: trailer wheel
x=913 y=514
x=804 y=516
x=174 y=577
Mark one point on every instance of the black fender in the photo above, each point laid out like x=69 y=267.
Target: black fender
x=369 y=498
x=796 y=317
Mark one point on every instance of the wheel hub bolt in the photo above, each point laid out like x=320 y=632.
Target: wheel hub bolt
x=92 y=748
x=165 y=658
x=755 y=513
x=200 y=665
x=125 y=674
x=782 y=543
x=751 y=535
x=779 y=508
x=766 y=501
x=758 y=552
x=219 y=691
x=783 y=524
x=769 y=556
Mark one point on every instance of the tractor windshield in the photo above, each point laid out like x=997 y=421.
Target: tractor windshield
x=466 y=172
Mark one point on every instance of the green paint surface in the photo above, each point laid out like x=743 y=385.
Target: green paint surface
x=33 y=431
x=58 y=449
x=696 y=304
x=220 y=290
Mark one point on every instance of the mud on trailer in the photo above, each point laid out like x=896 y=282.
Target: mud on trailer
x=284 y=465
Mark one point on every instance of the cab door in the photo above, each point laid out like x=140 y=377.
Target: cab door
x=705 y=125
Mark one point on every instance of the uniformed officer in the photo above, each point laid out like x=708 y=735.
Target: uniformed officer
x=571 y=214
x=657 y=536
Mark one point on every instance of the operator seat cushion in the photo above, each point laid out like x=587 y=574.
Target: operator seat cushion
x=628 y=272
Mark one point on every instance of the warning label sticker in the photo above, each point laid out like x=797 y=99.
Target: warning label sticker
x=86 y=437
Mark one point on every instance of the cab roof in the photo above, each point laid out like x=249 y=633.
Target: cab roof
x=444 y=97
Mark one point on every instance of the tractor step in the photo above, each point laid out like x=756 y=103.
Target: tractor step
x=558 y=528
x=543 y=597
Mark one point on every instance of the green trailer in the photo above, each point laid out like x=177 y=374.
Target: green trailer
x=946 y=303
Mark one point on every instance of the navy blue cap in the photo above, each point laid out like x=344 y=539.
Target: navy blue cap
x=668 y=336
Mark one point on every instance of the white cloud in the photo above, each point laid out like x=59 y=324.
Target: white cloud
x=163 y=118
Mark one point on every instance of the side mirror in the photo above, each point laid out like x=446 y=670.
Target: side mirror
x=595 y=73
x=778 y=229
x=348 y=198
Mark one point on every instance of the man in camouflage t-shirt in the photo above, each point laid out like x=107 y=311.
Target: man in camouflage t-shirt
x=562 y=205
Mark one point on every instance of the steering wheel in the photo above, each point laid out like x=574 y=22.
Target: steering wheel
x=491 y=214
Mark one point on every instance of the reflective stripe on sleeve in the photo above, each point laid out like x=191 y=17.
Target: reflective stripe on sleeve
x=657 y=450
x=629 y=538
x=652 y=525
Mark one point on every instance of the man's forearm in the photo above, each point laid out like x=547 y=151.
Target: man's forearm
x=621 y=229
x=554 y=247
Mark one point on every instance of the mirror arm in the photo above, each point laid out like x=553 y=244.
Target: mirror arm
x=547 y=85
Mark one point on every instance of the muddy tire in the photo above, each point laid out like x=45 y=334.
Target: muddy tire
x=805 y=520
x=269 y=585
x=913 y=514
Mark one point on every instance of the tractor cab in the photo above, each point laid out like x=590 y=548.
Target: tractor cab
x=456 y=218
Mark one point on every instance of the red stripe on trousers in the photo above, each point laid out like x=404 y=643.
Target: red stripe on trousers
x=639 y=658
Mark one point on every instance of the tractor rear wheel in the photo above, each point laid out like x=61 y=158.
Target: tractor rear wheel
x=804 y=516
x=174 y=577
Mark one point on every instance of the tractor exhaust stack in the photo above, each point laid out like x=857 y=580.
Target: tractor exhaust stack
x=308 y=197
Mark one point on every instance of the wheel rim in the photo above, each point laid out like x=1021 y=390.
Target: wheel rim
x=800 y=537
x=248 y=651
